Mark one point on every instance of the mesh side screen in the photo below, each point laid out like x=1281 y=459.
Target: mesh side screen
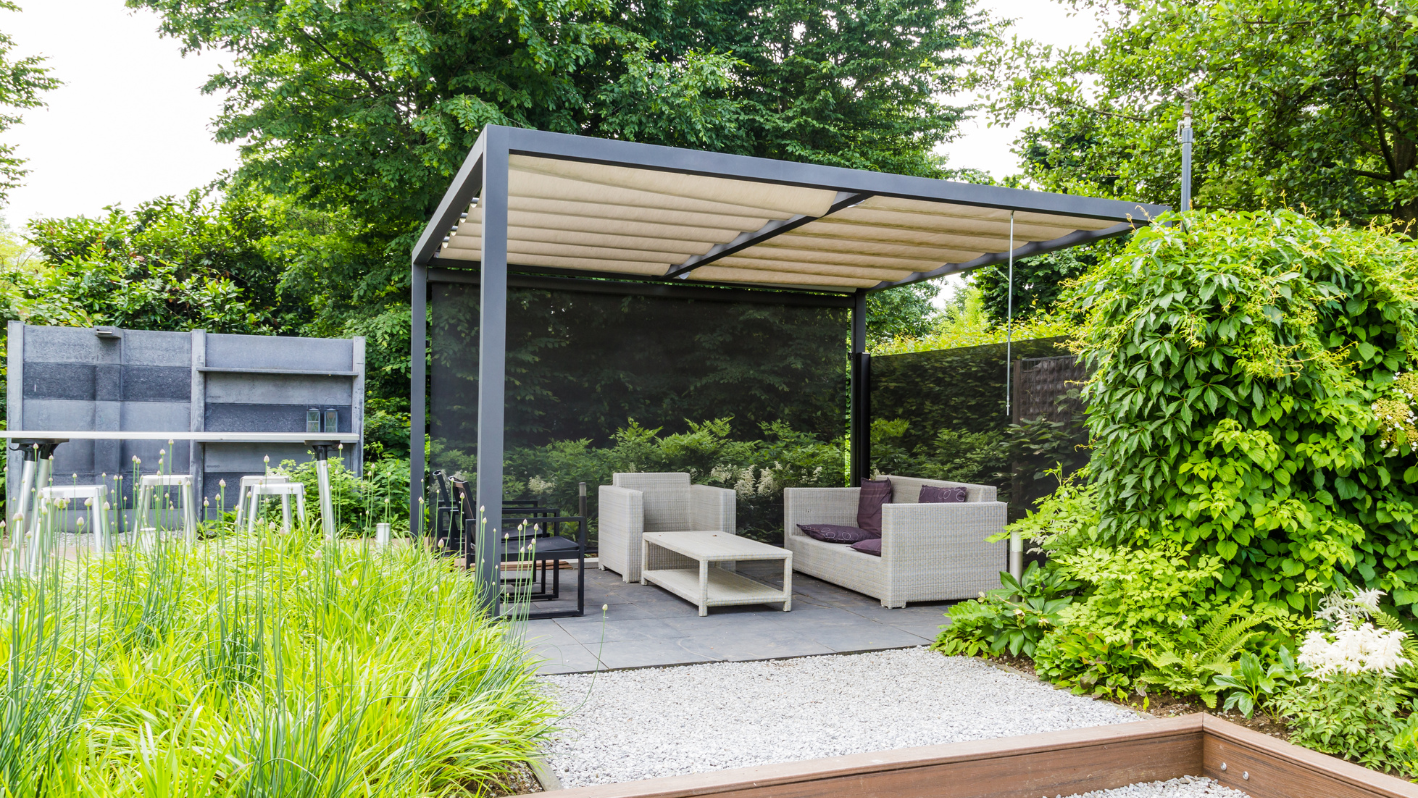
x=942 y=415
x=751 y=397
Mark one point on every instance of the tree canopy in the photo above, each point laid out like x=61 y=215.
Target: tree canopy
x=22 y=81
x=1308 y=104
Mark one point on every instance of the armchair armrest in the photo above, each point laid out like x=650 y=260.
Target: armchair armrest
x=711 y=509
x=622 y=523
x=818 y=506
x=950 y=534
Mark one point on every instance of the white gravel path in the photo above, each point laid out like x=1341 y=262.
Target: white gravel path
x=641 y=724
x=1184 y=787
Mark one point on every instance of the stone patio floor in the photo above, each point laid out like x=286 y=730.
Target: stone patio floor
x=644 y=626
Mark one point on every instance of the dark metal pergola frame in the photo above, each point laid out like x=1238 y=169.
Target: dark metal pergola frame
x=484 y=175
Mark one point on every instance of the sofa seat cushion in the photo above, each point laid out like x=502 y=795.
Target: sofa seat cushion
x=870 y=546
x=932 y=494
x=874 y=493
x=835 y=533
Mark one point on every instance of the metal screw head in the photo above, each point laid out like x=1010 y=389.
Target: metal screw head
x=1245 y=776
x=1223 y=767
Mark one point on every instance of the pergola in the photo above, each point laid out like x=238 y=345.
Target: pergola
x=540 y=209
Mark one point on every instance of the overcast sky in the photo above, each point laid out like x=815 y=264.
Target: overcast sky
x=130 y=122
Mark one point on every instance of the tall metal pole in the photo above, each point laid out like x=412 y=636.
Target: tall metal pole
x=859 y=466
x=1184 y=135
x=1016 y=543
x=492 y=365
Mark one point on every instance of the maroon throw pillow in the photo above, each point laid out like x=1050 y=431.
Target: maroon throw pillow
x=875 y=492
x=834 y=533
x=930 y=494
x=870 y=546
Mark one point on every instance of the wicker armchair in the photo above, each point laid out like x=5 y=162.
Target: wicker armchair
x=929 y=552
x=634 y=504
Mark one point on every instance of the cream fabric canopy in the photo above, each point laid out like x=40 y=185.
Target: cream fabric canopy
x=622 y=220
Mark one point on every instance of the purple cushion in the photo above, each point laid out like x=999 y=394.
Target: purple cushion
x=930 y=494
x=834 y=533
x=870 y=546
x=875 y=492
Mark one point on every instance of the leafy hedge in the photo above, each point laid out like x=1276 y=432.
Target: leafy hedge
x=1239 y=362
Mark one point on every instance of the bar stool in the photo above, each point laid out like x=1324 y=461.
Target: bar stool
x=283 y=489
x=183 y=483
x=243 y=490
x=51 y=498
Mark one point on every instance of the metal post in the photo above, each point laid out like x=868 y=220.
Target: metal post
x=1184 y=135
x=859 y=425
x=1016 y=543
x=322 y=474
x=418 y=354
x=492 y=356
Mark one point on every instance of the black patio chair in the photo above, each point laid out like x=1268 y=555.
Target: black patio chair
x=539 y=537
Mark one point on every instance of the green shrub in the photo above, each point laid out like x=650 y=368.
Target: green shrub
x=1012 y=619
x=1239 y=359
x=381 y=495
x=1356 y=717
x=258 y=666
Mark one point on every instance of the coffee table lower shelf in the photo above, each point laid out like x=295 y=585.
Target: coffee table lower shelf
x=726 y=588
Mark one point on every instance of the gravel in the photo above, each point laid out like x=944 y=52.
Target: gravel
x=640 y=724
x=1184 y=787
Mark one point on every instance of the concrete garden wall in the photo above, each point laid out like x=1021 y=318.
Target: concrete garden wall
x=68 y=378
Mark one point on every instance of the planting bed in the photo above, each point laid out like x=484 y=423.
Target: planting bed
x=1184 y=787
x=639 y=724
x=1124 y=759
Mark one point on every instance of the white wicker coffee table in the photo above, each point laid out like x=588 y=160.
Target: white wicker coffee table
x=681 y=562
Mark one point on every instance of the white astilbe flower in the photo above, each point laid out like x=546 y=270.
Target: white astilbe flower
x=722 y=473
x=538 y=486
x=1352 y=650
x=1349 y=608
x=744 y=487
x=766 y=483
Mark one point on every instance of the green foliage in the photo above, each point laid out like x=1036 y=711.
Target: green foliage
x=381 y=495
x=22 y=81
x=168 y=265
x=905 y=312
x=1065 y=520
x=976 y=457
x=1354 y=716
x=1013 y=618
x=1299 y=103
x=1153 y=599
x=1196 y=669
x=1251 y=684
x=269 y=664
x=965 y=322
x=757 y=469
x=1038 y=281
x=1236 y=357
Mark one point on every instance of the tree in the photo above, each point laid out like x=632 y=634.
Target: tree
x=1038 y=281
x=170 y=264
x=360 y=112
x=903 y=312
x=1307 y=104
x=22 y=81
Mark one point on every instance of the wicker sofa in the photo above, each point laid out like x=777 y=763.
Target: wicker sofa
x=634 y=504
x=929 y=552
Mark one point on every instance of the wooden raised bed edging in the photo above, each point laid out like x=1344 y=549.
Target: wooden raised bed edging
x=1055 y=763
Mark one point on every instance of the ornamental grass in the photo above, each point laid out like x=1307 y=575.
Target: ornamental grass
x=259 y=665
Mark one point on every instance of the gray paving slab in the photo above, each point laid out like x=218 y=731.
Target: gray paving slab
x=645 y=626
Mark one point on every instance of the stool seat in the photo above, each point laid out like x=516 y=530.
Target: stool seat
x=53 y=497
x=285 y=490
x=243 y=490
x=147 y=485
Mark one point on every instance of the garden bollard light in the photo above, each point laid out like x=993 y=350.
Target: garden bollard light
x=1016 y=555
x=381 y=534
